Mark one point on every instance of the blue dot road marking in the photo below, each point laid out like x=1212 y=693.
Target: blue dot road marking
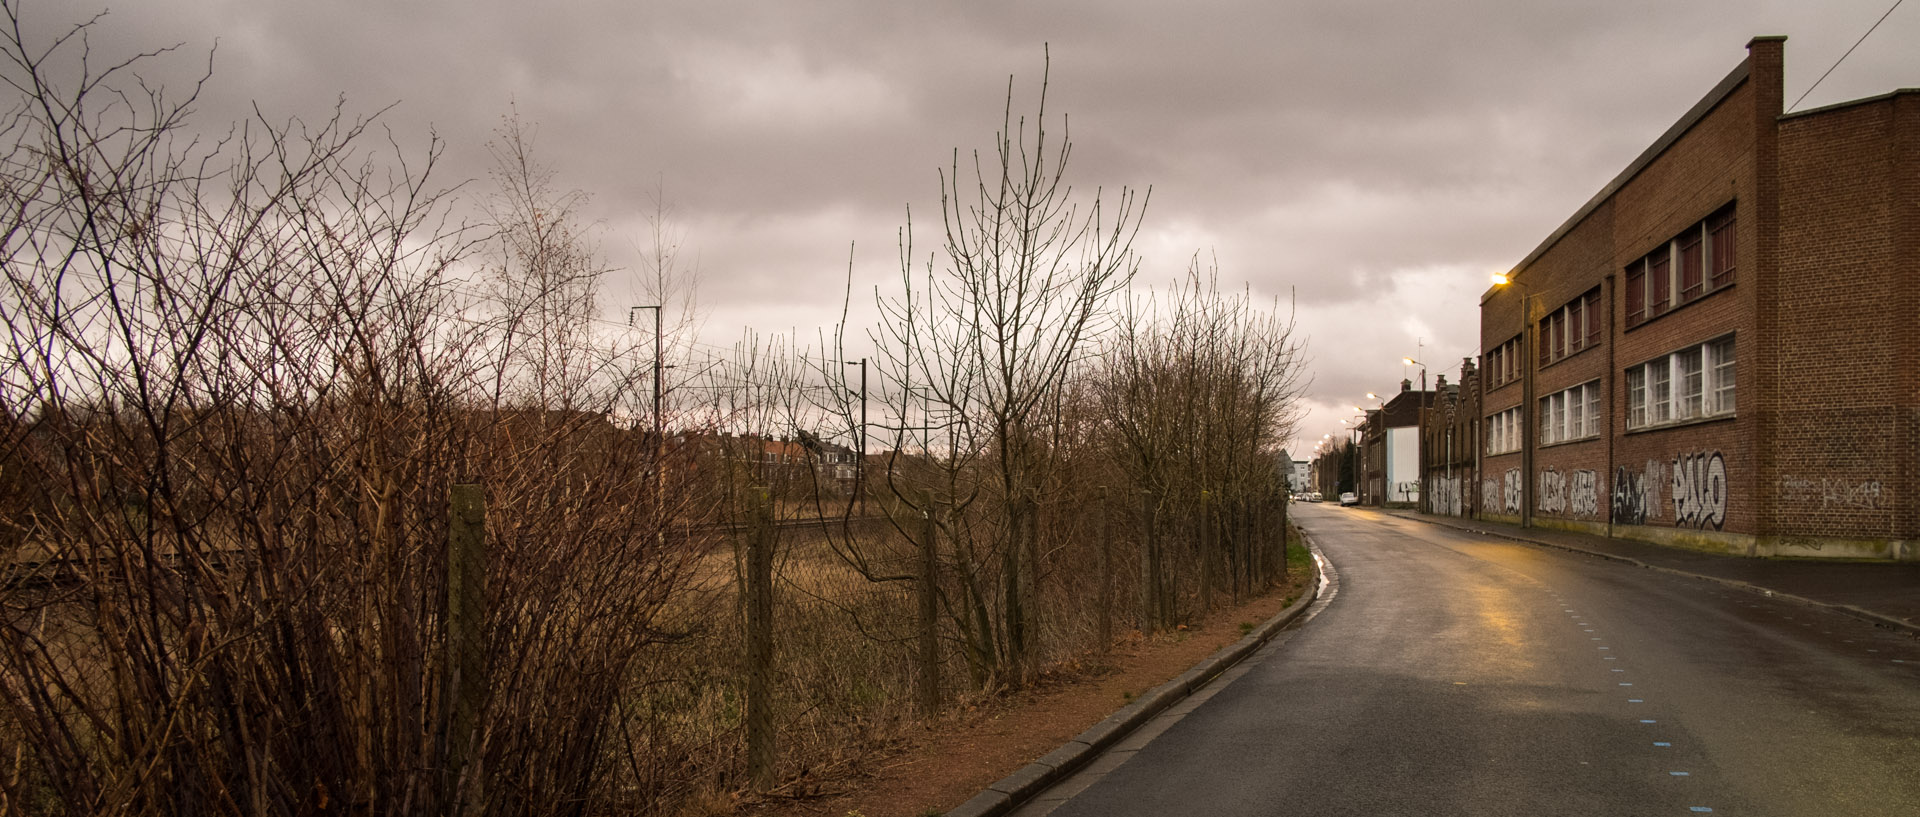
x=1636 y=700
x=1661 y=743
x=1701 y=809
x=1679 y=774
x=1644 y=720
x=1626 y=683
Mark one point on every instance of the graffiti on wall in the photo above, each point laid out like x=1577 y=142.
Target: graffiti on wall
x=1490 y=495
x=1583 y=494
x=1552 y=496
x=1406 y=492
x=1514 y=492
x=1835 y=493
x=1700 y=490
x=1636 y=492
x=1574 y=494
x=1444 y=495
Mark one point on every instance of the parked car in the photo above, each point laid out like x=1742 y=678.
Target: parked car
x=1349 y=498
x=1313 y=496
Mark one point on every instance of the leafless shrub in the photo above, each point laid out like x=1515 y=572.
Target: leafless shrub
x=239 y=381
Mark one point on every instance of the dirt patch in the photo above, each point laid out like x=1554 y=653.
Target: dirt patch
x=941 y=765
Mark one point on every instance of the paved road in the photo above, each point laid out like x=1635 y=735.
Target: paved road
x=1455 y=674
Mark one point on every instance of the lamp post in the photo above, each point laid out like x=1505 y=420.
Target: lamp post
x=1326 y=447
x=1420 y=440
x=1527 y=410
x=1353 y=425
x=1362 y=429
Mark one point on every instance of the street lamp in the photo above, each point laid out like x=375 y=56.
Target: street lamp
x=1359 y=477
x=1420 y=442
x=1526 y=392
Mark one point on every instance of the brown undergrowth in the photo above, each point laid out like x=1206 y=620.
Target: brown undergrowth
x=929 y=768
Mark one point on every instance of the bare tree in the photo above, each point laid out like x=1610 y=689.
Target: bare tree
x=981 y=346
x=1199 y=390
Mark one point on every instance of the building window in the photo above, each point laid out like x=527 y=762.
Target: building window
x=1593 y=409
x=1720 y=248
x=1684 y=268
x=1503 y=363
x=1689 y=384
x=1503 y=432
x=1660 y=391
x=1572 y=328
x=1636 y=397
x=1720 y=355
x=1688 y=401
x=1573 y=414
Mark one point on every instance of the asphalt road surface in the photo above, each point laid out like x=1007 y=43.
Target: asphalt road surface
x=1456 y=674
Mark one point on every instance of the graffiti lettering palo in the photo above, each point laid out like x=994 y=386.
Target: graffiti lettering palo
x=1700 y=490
x=1515 y=489
x=1490 y=495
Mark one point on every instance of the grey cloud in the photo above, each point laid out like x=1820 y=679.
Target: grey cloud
x=1376 y=158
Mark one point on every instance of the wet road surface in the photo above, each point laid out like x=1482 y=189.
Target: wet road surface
x=1452 y=673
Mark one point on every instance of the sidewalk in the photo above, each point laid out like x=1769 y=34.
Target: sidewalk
x=1885 y=593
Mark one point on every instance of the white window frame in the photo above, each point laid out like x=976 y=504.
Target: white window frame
x=1593 y=409
x=1636 y=397
x=1503 y=432
x=1689 y=383
x=1570 y=414
x=1720 y=359
x=1672 y=389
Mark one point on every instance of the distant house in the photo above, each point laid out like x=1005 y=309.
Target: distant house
x=1299 y=473
x=1390 y=449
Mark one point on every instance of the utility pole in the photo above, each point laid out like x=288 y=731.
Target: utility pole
x=860 y=464
x=1420 y=440
x=659 y=423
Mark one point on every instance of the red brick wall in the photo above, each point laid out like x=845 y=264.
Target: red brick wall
x=1569 y=479
x=1710 y=165
x=1825 y=314
x=1848 y=318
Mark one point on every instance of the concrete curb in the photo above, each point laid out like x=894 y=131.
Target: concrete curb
x=1876 y=619
x=1016 y=789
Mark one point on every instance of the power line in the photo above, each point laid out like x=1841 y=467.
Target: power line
x=1843 y=57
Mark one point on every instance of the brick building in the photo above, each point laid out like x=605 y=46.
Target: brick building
x=1721 y=349
x=1450 y=445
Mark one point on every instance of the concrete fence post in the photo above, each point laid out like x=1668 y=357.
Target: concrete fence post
x=929 y=623
x=759 y=589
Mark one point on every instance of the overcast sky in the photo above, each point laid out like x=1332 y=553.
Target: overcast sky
x=1375 y=159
